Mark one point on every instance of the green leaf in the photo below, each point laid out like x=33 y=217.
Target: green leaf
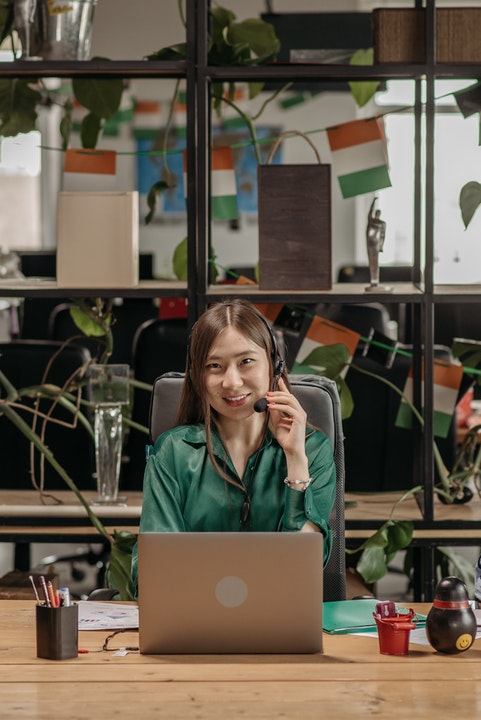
x=469 y=201
x=120 y=565
x=258 y=35
x=221 y=18
x=331 y=359
x=173 y=52
x=345 y=396
x=180 y=260
x=85 y=323
x=153 y=194
x=362 y=92
x=66 y=124
x=399 y=536
x=469 y=352
x=100 y=97
x=90 y=130
x=17 y=106
x=372 y=564
x=255 y=89
x=6 y=19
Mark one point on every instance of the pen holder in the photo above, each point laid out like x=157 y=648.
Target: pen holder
x=394 y=632
x=57 y=632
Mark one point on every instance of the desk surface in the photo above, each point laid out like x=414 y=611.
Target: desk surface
x=351 y=679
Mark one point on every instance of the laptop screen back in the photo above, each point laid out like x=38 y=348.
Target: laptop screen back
x=230 y=592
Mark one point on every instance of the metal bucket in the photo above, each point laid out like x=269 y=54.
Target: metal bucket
x=54 y=30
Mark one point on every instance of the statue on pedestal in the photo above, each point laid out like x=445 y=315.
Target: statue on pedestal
x=375 y=236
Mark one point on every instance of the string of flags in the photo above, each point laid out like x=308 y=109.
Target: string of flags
x=358 y=148
x=322 y=333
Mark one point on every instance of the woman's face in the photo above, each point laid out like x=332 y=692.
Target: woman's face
x=236 y=374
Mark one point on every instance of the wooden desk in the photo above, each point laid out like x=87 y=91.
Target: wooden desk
x=25 y=520
x=351 y=679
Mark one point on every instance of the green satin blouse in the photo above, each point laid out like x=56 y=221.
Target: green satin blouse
x=184 y=493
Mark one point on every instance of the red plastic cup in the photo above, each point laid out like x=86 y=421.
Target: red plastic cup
x=394 y=632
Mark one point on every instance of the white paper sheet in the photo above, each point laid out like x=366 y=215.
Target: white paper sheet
x=107 y=616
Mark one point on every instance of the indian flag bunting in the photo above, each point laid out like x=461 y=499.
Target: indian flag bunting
x=90 y=170
x=359 y=156
x=223 y=184
x=322 y=333
x=447 y=381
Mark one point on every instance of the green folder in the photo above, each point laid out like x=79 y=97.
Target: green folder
x=350 y=616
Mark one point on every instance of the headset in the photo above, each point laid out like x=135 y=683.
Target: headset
x=278 y=364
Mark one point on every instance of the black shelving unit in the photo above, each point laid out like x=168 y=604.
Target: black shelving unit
x=421 y=298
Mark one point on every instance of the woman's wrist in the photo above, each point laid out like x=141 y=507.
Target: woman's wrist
x=296 y=484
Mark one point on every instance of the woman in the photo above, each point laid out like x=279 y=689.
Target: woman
x=227 y=466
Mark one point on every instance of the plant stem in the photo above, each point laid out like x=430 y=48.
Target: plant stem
x=437 y=456
x=15 y=418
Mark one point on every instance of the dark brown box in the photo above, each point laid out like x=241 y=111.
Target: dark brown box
x=294 y=227
x=399 y=35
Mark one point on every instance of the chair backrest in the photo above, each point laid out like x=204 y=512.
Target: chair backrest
x=319 y=398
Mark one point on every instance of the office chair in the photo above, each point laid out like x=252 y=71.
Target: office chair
x=318 y=396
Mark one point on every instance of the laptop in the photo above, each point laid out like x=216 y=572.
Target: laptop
x=240 y=592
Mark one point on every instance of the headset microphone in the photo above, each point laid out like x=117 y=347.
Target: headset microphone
x=260 y=406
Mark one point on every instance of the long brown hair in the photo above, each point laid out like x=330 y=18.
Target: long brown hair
x=244 y=317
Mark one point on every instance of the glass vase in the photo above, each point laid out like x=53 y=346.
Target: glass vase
x=108 y=451
x=110 y=392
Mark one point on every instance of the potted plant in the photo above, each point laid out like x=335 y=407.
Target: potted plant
x=93 y=318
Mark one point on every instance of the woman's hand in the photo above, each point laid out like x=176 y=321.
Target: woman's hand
x=288 y=423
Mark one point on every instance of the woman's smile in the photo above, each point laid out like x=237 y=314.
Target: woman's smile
x=238 y=400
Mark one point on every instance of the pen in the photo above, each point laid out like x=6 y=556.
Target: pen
x=45 y=591
x=51 y=594
x=34 y=589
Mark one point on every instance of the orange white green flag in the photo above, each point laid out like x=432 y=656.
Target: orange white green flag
x=322 y=333
x=223 y=184
x=89 y=170
x=359 y=156
x=447 y=381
